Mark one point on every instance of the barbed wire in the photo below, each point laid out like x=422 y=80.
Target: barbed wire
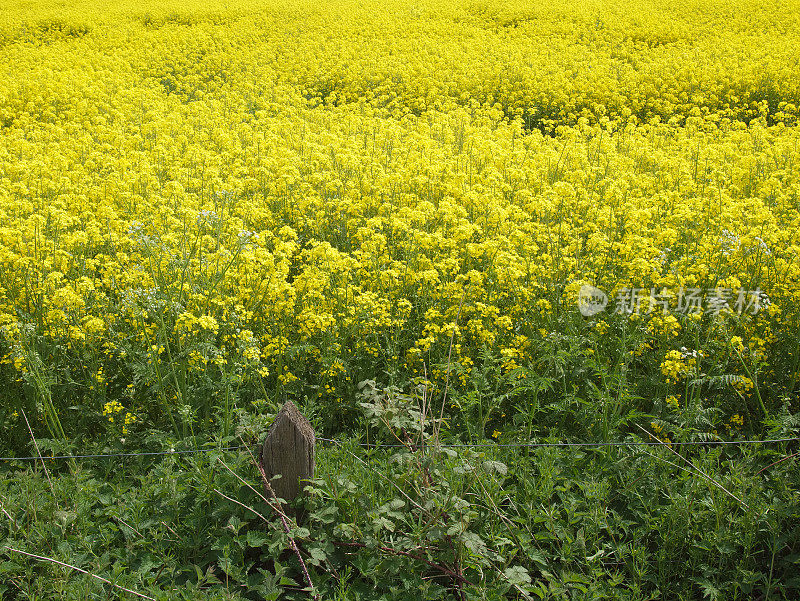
x=596 y=444
x=569 y=444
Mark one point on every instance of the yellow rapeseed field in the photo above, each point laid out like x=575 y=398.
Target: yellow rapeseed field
x=205 y=204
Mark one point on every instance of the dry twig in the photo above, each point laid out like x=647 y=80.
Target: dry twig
x=82 y=571
x=8 y=515
x=697 y=469
x=39 y=454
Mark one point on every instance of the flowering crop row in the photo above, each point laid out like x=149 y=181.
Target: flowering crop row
x=202 y=206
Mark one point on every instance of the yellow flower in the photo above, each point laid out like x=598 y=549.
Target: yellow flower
x=94 y=326
x=207 y=322
x=111 y=409
x=130 y=418
x=384 y=199
x=673 y=366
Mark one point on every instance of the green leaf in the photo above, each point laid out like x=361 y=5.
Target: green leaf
x=517 y=575
x=317 y=556
x=326 y=515
x=709 y=590
x=496 y=466
x=382 y=522
x=537 y=558
x=474 y=543
x=256 y=539
x=301 y=532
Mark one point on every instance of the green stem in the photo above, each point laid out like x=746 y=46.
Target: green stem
x=754 y=378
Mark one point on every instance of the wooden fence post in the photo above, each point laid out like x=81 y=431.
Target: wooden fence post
x=288 y=450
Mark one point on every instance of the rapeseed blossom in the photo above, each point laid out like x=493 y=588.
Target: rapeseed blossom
x=186 y=200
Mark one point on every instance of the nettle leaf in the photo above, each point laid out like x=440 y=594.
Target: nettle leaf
x=256 y=539
x=148 y=562
x=225 y=564
x=517 y=575
x=268 y=587
x=538 y=558
x=235 y=524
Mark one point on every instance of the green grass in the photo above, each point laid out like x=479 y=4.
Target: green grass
x=493 y=522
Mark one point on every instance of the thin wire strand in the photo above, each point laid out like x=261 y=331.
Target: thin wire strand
x=445 y=446
x=112 y=455
x=573 y=444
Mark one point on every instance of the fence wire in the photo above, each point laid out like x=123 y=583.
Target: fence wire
x=113 y=455
x=571 y=444
x=444 y=446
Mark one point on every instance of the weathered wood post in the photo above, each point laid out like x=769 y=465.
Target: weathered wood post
x=288 y=450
